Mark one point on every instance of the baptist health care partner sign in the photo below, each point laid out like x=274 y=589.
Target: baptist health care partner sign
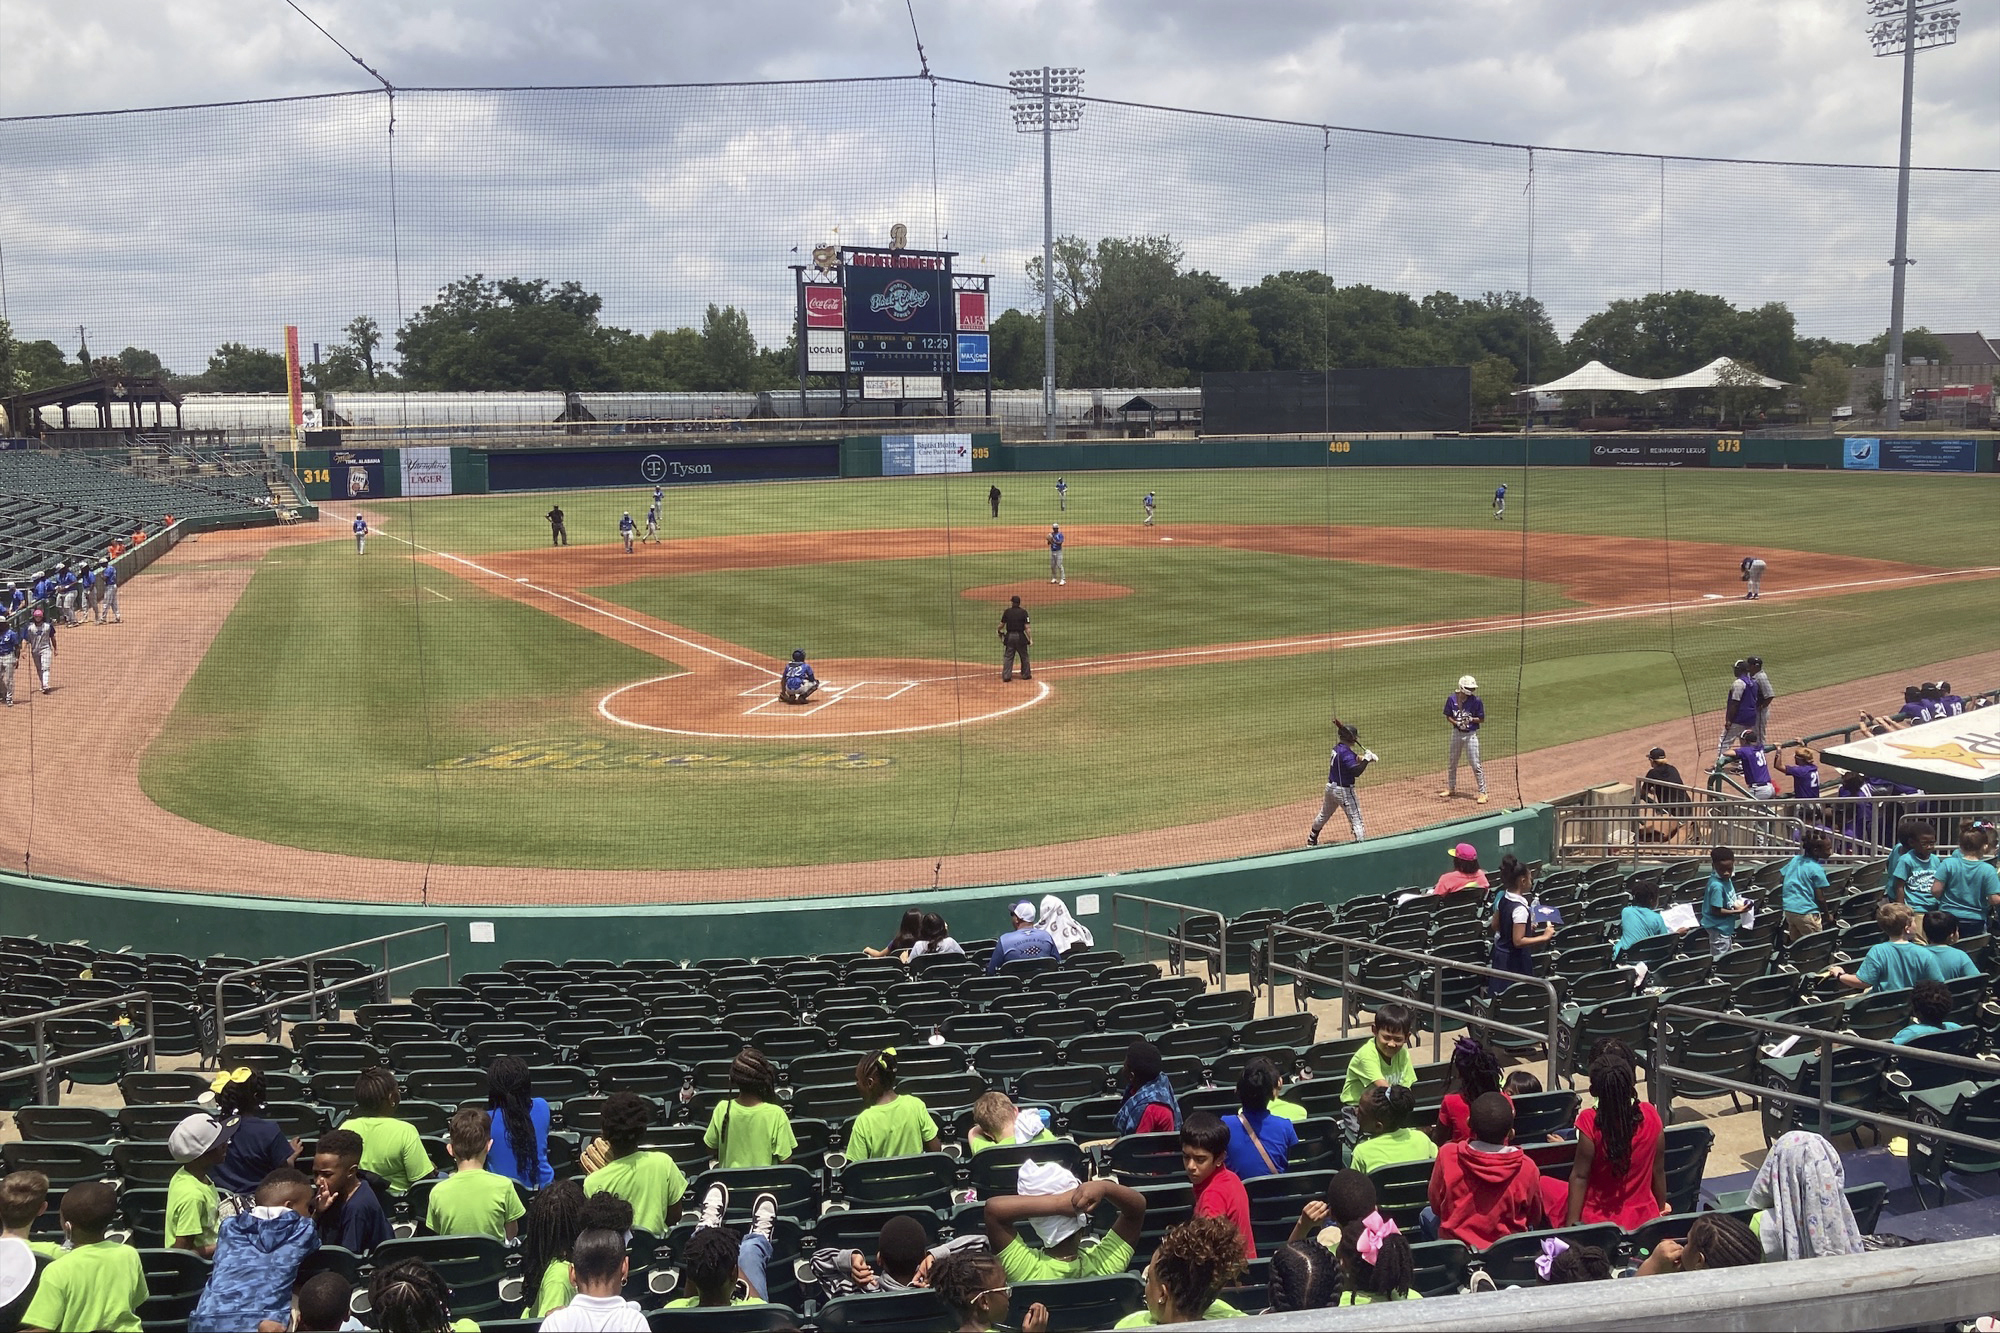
x=1952 y=754
x=925 y=455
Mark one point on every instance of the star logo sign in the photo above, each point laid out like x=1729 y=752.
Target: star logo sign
x=1951 y=752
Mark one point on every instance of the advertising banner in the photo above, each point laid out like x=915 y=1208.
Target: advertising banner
x=899 y=455
x=1896 y=455
x=826 y=351
x=1952 y=754
x=825 y=308
x=1860 y=451
x=355 y=476
x=426 y=469
x=642 y=466
x=971 y=312
x=1665 y=452
x=975 y=352
x=925 y=455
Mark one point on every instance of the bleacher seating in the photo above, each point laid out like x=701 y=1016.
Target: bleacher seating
x=65 y=506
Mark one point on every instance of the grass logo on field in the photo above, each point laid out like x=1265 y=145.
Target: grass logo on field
x=598 y=757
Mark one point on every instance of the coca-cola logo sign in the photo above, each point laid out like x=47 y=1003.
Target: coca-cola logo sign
x=825 y=308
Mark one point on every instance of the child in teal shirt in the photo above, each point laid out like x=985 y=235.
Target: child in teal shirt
x=1722 y=908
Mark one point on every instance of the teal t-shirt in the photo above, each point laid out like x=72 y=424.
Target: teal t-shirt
x=1637 y=923
x=1915 y=1030
x=1804 y=880
x=1898 y=965
x=1721 y=894
x=1953 y=962
x=1964 y=887
x=1918 y=876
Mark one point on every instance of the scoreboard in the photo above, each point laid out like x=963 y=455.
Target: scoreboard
x=887 y=314
x=898 y=354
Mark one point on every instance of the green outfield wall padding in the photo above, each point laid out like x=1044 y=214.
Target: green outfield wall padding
x=199 y=924
x=468 y=471
x=861 y=456
x=1507 y=451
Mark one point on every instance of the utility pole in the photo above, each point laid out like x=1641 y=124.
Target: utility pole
x=1047 y=99
x=1904 y=27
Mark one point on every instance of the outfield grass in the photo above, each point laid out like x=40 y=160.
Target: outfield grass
x=330 y=710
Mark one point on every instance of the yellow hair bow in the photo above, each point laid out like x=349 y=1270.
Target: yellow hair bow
x=226 y=1077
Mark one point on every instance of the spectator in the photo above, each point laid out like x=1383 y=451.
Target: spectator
x=1562 y=1263
x=1930 y=1012
x=390 y=1147
x=95 y=1283
x=548 y=1232
x=1149 y=1106
x=1218 y=1191
x=1521 y=1083
x=1913 y=875
x=1640 y=919
x=409 y=1297
x=1058 y=1207
x=473 y=1201
x=1350 y=1194
x=1620 y=1175
x=1188 y=1271
x=24 y=1196
x=714 y=1256
x=650 y=1181
x=520 y=1124
x=257 y=1257
x=1290 y=1110
x=198 y=1143
x=973 y=1287
x=891 y=1124
x=904 y=1258
x=934 y=937
x=257 y=1147
x=1663 y=788
x=1803 y=1211
x=1260 y=1143
x=1464 y=873
x=1388 y=1138
x=323 y=1301
x=998 y=1123
x=1484 y=1188
x=345 y=1206
x=1474 y=1073
x=1714 y=1240
x=598 y=1266
x=1384 y=1058
x=1514 y=944
x=1375 y=1262
x=604 y=1212
x=1895 y=964
x=1805 y=886
x=751 y=1128
x=906 y=935
x=1303 y=1275
x=1722 y=907
x=1967 y=886
x=1024 y=940
x=1941 y=929
x=1069 y=934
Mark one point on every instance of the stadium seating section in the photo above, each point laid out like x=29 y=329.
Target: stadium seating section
x=66 y=506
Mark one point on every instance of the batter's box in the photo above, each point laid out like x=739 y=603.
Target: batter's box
x=877 y=690
x=768 y=688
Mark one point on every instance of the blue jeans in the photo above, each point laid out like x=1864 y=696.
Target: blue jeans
x=752 y=1256
x=1427 y=1222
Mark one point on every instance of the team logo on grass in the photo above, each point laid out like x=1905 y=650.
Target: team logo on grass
x=596 y=756
x=899 y=299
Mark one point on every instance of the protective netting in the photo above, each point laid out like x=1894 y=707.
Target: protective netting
x=449 y=715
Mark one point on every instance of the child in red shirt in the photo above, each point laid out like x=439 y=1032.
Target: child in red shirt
x=1485 y=1188
x=1218 y=1191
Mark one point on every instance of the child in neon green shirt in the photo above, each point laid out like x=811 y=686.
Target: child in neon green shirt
x=390 y=1147
x=1387 y=1137
x=998 y=1123
x=751 y=1128
x=96 y=1283
x=473 y=1201
x=650 y=1181
x=24 y=1196
x=1383 y=1060
x=1188 y=1271
x=197 y=1143
x=892 y=1125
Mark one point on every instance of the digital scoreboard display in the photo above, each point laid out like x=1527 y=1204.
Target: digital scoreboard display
x=899 y=354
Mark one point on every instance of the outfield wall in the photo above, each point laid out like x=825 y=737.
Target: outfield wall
x=198 y=924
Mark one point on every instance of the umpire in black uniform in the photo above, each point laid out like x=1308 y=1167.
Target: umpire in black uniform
x=1014 y=639
x=558 y=534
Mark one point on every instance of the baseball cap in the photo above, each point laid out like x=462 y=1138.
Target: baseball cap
x=196 y=1135
x=1465 y=851
x=1467 y=683
x=1024 y=910
x=1656 y=753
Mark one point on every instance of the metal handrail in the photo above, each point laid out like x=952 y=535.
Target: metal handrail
x=1661 y=1074
x=1178 y=939
x=1435 y=1007
x=313 y=992
x=1776 y=823
x=40 y=1068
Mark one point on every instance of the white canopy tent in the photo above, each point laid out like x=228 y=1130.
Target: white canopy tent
x=1710 y=377
x=1596 y=377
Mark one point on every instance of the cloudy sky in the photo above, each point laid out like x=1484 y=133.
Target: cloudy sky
x=175 y=230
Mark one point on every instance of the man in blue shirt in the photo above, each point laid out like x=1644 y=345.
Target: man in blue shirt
x=799 y=681
x=1025 y=940
x=1464 y=709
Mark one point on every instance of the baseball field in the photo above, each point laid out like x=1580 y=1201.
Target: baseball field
x=464 y=694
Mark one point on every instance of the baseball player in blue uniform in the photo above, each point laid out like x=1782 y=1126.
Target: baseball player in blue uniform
x=360 y=534
x=1464 y=709
x=10 y=657
x=799 y=682
x=1149 y=502
x=653 y=523
x=1055 y=540
x=108 y=597
x=659 y=495
x=1062 y=495
x=1753 y=574
x=87 y=582
x=16 y=598
x=66 y=593
x=1346 y=765
x=627 y=529
x=1500 y=500
x=44 y=585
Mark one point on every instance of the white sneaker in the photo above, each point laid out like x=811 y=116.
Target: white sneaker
x=764 y=1215
x=714 y=1205
x=1064 y=582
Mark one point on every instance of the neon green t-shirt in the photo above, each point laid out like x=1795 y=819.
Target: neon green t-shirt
x=392 y=1149
x=554 y=1292
x=473 y=1203
x=1367 y=1066
x=899 y=1128
x=759 y=1135
x=1144 y=1318
x=1398 y=1145
x=47 y=1248
x=1094 y=1258
x=690 y=1302
x=1368 y=1298
x=649 y=1181
x=1291 y=1111
x=979 y=1143
x=97 y=1286
x=191 y=1207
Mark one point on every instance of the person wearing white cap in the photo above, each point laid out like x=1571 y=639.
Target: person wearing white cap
x=1465 y=711
x=1059 y=1207
x=20 y=1267
x=197 y=1143
x=1025 y=940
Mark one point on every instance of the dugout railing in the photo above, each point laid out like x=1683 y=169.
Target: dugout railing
x=1182 y=942
x=343 y=981
x=1661 y=1073
x=1858 y=828
x=1284 y=965
x=120 y=1006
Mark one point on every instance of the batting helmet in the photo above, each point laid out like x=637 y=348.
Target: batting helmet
x=798 y=654
x=1468 y=684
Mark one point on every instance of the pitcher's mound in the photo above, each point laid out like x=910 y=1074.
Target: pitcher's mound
x=1033 y=591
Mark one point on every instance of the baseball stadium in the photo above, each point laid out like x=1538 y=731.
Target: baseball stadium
x=457 y=697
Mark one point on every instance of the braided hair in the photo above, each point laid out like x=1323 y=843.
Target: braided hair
x=509 y=1091
x=1195 y=1261
x=1304 y=1276
x=243 y=1098
x=409 y=1297
x=548 y=1231
x=962 y=1278
x=1388 y=1278
x=1614 y=1084
x=1474 y=1068
x=1579 y=1263
x=1721 y=1240
x=750 y=1073
x=878 y=1070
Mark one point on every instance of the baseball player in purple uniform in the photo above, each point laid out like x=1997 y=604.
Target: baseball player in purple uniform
x=1464 y=709
x=1345 y=767
x=1756 y=769
x=1739 y=710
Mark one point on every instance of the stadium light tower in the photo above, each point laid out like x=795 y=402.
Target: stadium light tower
x=1047 y=99
x=1905 y=27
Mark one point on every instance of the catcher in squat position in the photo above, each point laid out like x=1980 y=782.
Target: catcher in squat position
x=799 y=682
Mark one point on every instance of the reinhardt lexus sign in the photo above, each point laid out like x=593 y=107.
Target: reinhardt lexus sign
x=1624 y=451
x=1952 y=754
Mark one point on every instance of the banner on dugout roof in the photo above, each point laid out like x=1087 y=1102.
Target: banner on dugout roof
x=426 y=469
x=1896 y=455
x=1672 y=451
x=1952 y=754
x=925 y=455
